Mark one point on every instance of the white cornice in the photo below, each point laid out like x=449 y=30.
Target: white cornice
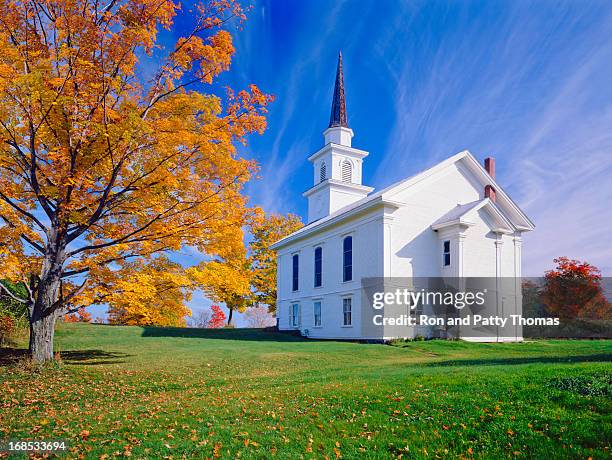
x=457 y=222
x=339 y=128
x=339 y=185
x=348 y=151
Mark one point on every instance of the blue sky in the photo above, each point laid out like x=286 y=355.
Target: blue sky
x=526 y=82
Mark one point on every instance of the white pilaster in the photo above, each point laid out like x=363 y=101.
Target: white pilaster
x=518 y=287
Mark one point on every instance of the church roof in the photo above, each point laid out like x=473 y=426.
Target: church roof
x=455 y=214
x=385 y=197
x=463 y=214
x=338 y=116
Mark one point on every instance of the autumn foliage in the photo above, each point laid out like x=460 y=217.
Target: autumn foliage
x=573 y=291
x=152 y=293
x=217 y=320
x=246 y=278
x=226 y=279
x=103 y=166
x=80 y=316
x=267 y=230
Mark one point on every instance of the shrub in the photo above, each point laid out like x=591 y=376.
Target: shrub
x=587 y=385
x=7 y=330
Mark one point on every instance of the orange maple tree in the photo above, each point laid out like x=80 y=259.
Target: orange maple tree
x=101 y=167
x=573 y=290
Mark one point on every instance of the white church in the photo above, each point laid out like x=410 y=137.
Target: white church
x=452 y=220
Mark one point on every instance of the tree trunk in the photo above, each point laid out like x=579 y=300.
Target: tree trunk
x=41 y=337
x=44 y=311
x=229 y=317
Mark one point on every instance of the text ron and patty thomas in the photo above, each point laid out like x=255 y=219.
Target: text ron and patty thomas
x=469 y=320
x=411 y=298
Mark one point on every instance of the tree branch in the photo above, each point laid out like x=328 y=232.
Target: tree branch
x=62 y=301
x=11 y=295
x=24 y=212
x=26 y=238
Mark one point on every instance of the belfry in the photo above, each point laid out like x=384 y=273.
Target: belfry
x=337 y=166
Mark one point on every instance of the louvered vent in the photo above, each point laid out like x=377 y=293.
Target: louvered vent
x=323 y=172
x=347 y=171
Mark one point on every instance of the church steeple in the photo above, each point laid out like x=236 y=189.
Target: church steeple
x=338 y=110
x=337 y=166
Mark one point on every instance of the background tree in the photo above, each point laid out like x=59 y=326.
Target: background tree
x=226 y=280
x=265 y=231
x=80 y=316
x=99 y=167
x=259 y=317
x=217 y=319
x=532 y=301
x=151 y=293
x=573 y=290
x=201 y=318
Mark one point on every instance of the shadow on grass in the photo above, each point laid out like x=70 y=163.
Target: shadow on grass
x=93 y=357
x=12 y=356
x=245 y=334
x=599 y=357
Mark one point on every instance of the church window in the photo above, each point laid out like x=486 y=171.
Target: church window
x=347 y=311
x=296 y=268
x=347 y=259
x=317 y=313
x=446 y=257
x=295 y=314
x=318 y=267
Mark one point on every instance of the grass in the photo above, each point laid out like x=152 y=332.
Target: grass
x=184 y=393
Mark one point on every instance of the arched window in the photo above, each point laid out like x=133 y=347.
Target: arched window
x=295 y=283
x=347 y=259
x=347 y=171
x=318 y=267
x=323 y=172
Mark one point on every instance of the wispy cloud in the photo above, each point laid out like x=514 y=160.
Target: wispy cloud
x=292 y=130
x=525 y=82
x=528 y=86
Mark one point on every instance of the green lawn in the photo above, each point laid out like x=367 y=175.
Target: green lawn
x=181 y=393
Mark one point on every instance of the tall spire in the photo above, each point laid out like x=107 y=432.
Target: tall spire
x=338 y=109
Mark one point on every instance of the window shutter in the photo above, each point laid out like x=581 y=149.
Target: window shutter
x=347 y=171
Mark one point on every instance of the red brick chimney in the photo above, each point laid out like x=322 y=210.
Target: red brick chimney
x=489 y=165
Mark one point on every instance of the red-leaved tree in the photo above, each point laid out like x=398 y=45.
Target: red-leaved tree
x=217 y=319
x=81 y=316
x=573 y=290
